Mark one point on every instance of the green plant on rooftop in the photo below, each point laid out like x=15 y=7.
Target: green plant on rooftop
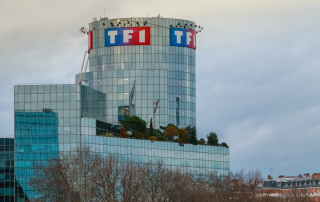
x=153 y=138
x=212 y=139
x=224 y=145
x=170 y=124
x=157 y=133
x=151 y=126
x=133 y=124
x=137 y=128
x=138 y=135
x=201 y=141
x=183 y=136
x=123 y=133
x=170 y=132
x=192 y=132
x=146 y=133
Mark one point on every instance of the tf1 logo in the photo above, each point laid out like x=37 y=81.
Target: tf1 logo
x=127 y=36
x=182 y=37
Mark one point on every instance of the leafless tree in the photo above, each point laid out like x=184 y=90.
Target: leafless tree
x=83 y=166
x=108 y=180
x=152 y=174
x=84 y=176
x=51 y=181
x=131 y=183
x=69 y=178
x=253 y=178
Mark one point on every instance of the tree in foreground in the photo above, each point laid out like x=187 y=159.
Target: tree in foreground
x=84 y=176
x=72 y=177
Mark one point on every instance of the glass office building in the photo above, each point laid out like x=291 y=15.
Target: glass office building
x=7 y=180
x=157 y=72
x=150 y=81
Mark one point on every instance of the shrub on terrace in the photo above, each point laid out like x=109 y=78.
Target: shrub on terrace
x=170 y=132
x=212 y=139
x=183 y=136
x=123 y=133
x=134 y=123
x=201 y=142
x=153 y=138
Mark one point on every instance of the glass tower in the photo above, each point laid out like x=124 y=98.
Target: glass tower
x=152 y=81
x=157 y=72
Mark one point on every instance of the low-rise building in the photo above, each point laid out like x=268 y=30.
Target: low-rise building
x=289 y=186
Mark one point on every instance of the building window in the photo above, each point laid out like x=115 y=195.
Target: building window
x=279 y=184
x=318 y=190
x=316 y=198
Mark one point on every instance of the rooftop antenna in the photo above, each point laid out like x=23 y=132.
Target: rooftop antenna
x=271 y=169
x=104 y=12
x=147 y=14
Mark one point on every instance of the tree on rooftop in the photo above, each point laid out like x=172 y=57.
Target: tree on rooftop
x=212 y=139
x=138 y=135
x=151 y=126
x=133 y=123
x=123 y=133
x=224 y=144
x=159 y=135
x=153 y=138
x=183 y=136
x=202 y=141
x=192 y=132
x=170 y=124
x=146 y=133
x=170 y=132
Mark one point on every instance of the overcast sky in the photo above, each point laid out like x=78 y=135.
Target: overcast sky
x=257 y=68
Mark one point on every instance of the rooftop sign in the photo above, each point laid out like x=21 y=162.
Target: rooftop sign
x=125 y=36
x=183 y=37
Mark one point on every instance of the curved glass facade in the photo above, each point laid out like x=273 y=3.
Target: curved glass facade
x=160 y=72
